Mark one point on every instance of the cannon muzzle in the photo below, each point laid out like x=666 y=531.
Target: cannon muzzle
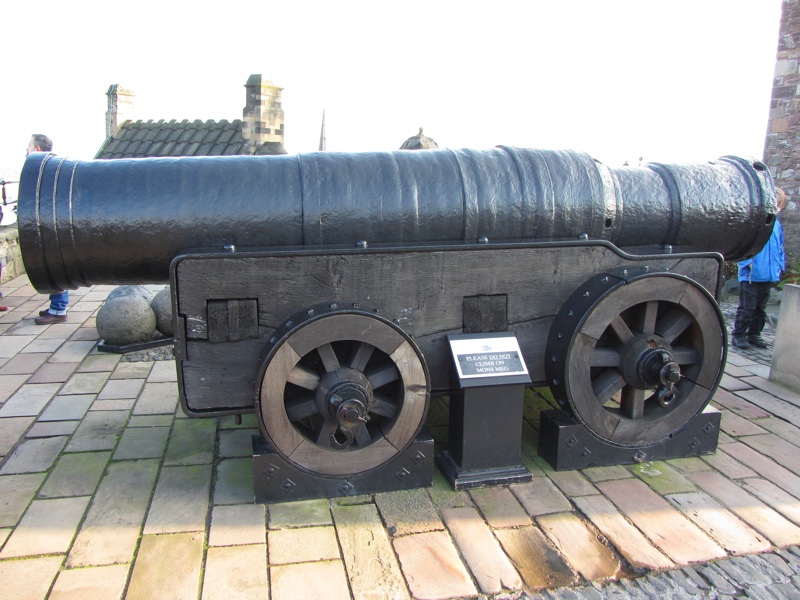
x=124 y=221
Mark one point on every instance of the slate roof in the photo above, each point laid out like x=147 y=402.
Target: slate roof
x=139 y=139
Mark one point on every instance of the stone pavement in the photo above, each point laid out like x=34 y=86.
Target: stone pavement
x=108 y=491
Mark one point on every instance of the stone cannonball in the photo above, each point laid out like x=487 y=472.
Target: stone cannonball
x=125 y=291
x=162 y=307
x=126 y=320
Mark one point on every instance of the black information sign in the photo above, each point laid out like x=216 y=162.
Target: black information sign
x=487 y=364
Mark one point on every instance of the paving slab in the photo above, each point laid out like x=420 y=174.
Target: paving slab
x=23 y=363
x=738 y=405
x=500 y=507
x=53 y=373
x=777 y=448
x=236 y=442
x=99 y=363
x=98 y=431
x=238 y=524
x=150 y=579
x=302 y=513
x=630 y=541
x=318 y=581
x=163 y=371
x=773 y=496
x=72 y=352
x=28 y=579
x=301 y=545
x=85 y=383
x=765 y=467
x=662 y=478
x=16 y=493
x=372 y=567
x=110 y=532
x=483 y=555
x=752 y=511
x=96 y=582
x=181 y=500
x=540 y=497
x=132 y=370
x=117 y=389
x=580 y=545
x=52 y=428
x=157 y=398
x=666 y=528
x=67 y=408
x=432 y=566
x=29 y=400
x=234 y=481
x=408 y=511
x=236 y=572
x=721 y=524
x=11 y=431
x=10 y=384
x=75 y=475
x=47 y=527
x=142 y=442
x=192 y=442
x=33 y=455
x=539 y=565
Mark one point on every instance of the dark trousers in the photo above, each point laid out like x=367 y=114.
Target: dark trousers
x=751 y=314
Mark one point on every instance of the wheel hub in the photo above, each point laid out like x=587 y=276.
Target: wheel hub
x=344 y=397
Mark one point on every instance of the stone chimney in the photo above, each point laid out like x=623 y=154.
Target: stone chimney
x=262 y=115
x=120 y=109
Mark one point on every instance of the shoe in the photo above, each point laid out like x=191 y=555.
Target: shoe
x=3 y=308
x=757 y=341
x=740 y=343
x=49 y=319
x=44 y=313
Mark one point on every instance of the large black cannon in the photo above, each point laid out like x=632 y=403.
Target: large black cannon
x=318 y=290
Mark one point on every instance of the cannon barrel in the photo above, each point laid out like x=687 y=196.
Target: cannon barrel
x=123 y=221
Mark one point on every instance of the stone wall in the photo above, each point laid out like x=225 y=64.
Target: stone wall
x=781 y=152
x=10 y=256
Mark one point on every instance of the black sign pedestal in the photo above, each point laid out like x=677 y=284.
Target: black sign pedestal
x=486 y=414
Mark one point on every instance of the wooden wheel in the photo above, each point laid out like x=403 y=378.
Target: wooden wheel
x=342 y=391
x=635 y=358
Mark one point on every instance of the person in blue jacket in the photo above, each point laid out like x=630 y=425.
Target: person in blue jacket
x=756 y=278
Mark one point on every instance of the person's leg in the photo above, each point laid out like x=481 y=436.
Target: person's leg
x=759 y=314
x=744 y=314
x=57 y=313
x=58 y=303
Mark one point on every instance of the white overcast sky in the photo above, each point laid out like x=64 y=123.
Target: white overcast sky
x=677 y=80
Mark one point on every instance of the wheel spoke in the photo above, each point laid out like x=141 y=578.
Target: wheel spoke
x=328 y=356
x=605 y=357
x=684 y=355
x=632 y=403
x=649 y=318
x=621 y=329
x=383 y=406
x=607 y=384
x=382 y=374
x=304 y=377
x=301 y=407
x=360 y=357
x=361 y=435
x=671 y=325
x=324 y=436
